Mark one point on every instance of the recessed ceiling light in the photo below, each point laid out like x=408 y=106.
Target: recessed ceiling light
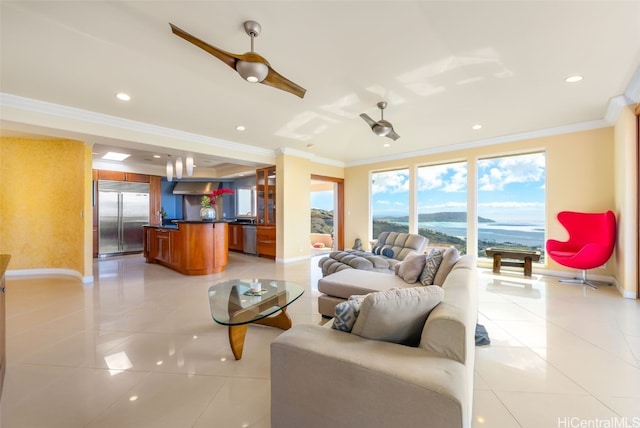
x=573 y=79
x=309 y=146
x=123 y=97
x=157 y=156
x=476 y=126
x=240 y=128
x=115 y=156
x=386 y=145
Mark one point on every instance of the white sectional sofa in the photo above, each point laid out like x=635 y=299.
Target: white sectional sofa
x=389 y=249
x=322 y=377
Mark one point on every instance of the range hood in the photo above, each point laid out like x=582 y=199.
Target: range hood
x=194 y=188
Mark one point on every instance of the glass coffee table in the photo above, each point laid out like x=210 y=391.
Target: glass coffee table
x=240 y=302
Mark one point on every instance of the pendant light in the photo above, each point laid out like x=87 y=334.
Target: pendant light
x=179 y=167
x=169 y=170
x=189 y=164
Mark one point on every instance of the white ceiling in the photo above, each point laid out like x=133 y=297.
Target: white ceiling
x=441 y=66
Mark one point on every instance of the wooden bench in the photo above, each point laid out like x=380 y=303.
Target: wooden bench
x=514 y=258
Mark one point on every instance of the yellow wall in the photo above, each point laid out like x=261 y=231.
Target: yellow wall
x=327 y=170
x=293 y=184
x=579 y=177
x=45 y=195
x=626 y=202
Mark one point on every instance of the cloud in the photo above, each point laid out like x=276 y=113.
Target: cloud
x=390 y=181
x=495 y=174
x=447 y=178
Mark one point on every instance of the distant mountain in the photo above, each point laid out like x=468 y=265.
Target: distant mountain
x=451 y=217
x=321 y=221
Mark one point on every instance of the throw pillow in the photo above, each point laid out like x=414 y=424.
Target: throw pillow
x=346 y=313
x=411 y=268
x=397 y=315
x=449 y=259
x=387 y=252
x=432 y=263
x=376 y=249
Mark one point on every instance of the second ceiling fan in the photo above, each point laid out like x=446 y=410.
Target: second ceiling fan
x=250 y=65
x=382 y=128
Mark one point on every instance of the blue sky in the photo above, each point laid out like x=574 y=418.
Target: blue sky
x=322 y=200
x=510 y=189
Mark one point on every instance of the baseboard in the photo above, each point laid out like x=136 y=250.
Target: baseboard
x=28 y=273
x=292 y=259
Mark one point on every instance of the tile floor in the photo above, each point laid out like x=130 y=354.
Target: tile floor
x=139 y=349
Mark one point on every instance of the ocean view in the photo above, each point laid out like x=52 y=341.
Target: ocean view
x=528 y=234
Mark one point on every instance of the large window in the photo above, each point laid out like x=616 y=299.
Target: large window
x=442 y=204
x=390 y=201
x=511 y=202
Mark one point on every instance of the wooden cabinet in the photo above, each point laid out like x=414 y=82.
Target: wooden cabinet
x=236 y=237
x=266 y=211
x=266 y=241
x=112 y=175
x=136 y=178
x=149 y=239
x=155 y=199
x=163 y=245
x=266 y=196
x=194 y=248
x=122 y=176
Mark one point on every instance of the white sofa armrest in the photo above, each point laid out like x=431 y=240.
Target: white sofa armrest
x=322 y=377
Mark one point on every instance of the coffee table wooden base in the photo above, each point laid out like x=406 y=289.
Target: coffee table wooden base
x=237 y=333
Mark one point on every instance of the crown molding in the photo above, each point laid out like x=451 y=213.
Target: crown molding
x=633 y=90
x=312 y=157
x=34 y=106
x=559 y=130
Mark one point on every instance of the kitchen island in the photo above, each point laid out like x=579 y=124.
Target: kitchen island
x=189 y=247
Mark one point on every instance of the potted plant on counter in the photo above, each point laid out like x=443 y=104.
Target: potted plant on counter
x=208 y=211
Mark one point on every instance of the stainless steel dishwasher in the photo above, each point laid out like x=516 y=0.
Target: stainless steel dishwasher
x=249 y=239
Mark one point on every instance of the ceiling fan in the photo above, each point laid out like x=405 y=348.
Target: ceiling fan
x=382 y=128
x=251 y=66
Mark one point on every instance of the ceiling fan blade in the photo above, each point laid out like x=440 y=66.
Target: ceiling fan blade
x=393 y=135
x=367 y=119
x=224 y=56
x=273 y=78
x=278 y=81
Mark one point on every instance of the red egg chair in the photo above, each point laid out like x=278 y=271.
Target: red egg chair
x=592 y=237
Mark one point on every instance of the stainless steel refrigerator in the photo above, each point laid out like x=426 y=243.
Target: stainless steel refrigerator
x=123 y=208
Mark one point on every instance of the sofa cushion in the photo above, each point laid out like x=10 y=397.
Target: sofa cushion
x=411 y=268
x=449 y=258
x=350 y=282
x=432 y=263
x=397 y=315
x=346 y=313
x=412 y=244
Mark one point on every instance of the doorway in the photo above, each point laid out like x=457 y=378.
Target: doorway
x=327 y=217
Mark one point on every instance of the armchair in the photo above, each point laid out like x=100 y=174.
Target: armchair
x=592 y=237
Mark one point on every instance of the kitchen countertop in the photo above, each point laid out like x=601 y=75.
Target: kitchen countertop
x=174 y=223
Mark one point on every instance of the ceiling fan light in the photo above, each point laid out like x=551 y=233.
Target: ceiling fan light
x=381 y=130
x=252 y=71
